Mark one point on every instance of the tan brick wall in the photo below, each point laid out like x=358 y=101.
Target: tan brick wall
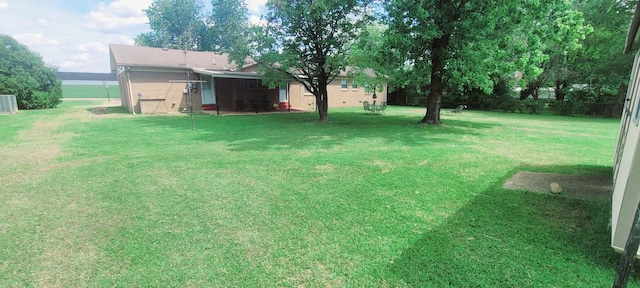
x=338 y=97
x=160 y=85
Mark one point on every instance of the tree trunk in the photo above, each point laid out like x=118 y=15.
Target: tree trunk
x=322 y=102
x=530 y=90
x=322 y=110
x=433 y=101
x=437 y=69
x=560 y=90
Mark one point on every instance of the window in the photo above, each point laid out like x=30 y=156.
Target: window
x=284 y=93
x=354 y=85
x=343 y=85
x=367 y=89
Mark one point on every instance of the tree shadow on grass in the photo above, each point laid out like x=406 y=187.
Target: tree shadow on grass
x=506 y=238
x=263 y=132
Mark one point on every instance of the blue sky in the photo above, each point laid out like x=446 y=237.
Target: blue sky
x=74 y=35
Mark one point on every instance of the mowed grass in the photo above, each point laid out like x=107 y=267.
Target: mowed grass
x=90 y=91
x=281 y=200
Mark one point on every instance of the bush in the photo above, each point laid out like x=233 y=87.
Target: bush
x=502 y=98
x=23 y=74
x=533 y=106
x=420 y=101
x=592 y=101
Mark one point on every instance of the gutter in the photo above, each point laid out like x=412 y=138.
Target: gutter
x=227 y=74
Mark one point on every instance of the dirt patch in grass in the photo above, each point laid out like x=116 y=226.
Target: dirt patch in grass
x=105 y=109
x=574 y=186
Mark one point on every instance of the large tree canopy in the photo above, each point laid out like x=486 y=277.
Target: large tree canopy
x=23 y=74
x=228 y=29
x=184 y=24
x=176 y=24
x=463 y=44
x=307 y=41
x=600 y=60
x=563 y=38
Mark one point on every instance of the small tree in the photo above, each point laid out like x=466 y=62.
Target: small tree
x=307 y=41
x=24 y=74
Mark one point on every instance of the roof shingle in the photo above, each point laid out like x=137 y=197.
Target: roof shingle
x=127 y=55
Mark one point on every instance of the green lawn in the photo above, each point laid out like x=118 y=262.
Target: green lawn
x=282 y=200
x=90 y=91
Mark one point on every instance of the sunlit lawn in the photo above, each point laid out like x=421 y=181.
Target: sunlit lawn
x=283 y=200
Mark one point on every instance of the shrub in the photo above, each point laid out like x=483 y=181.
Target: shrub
x=532 y=106
x=592 y=101
x=22 y=73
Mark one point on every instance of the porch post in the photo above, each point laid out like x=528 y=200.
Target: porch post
x=215 y=95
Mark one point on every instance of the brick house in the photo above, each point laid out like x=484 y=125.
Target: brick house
x=160 y=80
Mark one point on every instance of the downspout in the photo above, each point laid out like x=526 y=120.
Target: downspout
x=288 y=98
x=133 y=107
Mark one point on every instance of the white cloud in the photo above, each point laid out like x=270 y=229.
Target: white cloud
x=69 y=66
x=255 y=6
x=36 y=39
x=43 y=22
x=126 y=40
x=4 y=4
x=116 y=15
x=82 y=57
x=93 y=47
x=255 y=20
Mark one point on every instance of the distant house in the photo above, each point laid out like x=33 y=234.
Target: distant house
x=160 y=80
x=626 y=194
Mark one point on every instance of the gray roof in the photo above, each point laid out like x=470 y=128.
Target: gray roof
x=127 y=55
x=205 y=62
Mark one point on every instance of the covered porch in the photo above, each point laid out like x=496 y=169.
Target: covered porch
x=225 y=92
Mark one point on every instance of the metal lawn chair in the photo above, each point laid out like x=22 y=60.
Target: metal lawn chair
x=366 y=106
x=383 y=107
x=458 y=109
